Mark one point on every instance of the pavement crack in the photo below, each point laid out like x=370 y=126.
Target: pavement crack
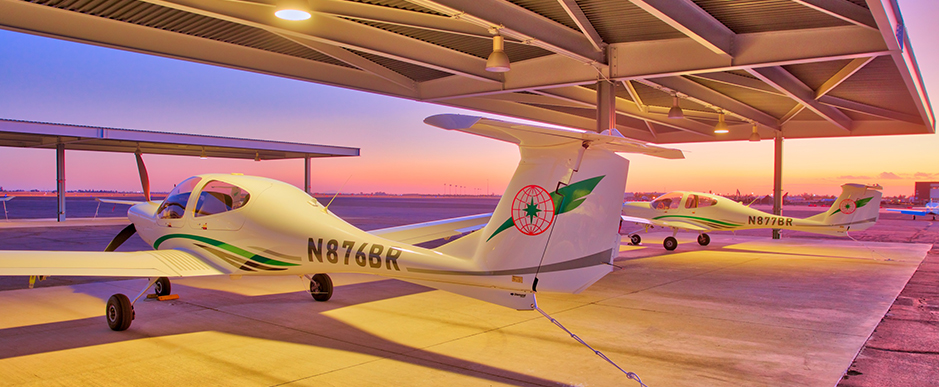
x=903 y=351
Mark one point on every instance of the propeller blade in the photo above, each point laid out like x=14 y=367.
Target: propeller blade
x=144 y=178
x=121 y=237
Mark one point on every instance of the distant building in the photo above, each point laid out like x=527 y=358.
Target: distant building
x=926 y=191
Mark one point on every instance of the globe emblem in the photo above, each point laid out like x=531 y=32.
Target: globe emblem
x=532 y=210
x=847 y=206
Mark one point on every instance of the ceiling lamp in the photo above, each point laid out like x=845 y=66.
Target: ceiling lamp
x=292 y=10
x=675 y=111
x=498 y=62
x=202 y=156
x=755 y=136
x=721 y=126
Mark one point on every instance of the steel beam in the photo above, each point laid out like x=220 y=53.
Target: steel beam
x=694 y=22
x=844 y=10
x=517 y=22
x=709 y=96
x=306 y=174
x=787 y=83
x=573 y=10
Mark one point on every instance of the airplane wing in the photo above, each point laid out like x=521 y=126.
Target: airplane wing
x=664 y=223
x=910 y=212
x=683 y=225
x=638 y=220
x=156 y=263
x=6 y=198
x=118 y=201
x=428 y=231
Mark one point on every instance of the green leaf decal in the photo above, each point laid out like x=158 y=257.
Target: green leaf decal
x=862 y=202
x=566 y=199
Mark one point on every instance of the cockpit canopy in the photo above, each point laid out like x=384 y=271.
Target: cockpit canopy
x=216 y=197
x=673 y=200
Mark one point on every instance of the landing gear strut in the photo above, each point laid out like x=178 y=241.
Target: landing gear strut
x=321 y=287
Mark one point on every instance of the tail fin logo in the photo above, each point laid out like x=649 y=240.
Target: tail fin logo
x=848 y=206
x=532 y=210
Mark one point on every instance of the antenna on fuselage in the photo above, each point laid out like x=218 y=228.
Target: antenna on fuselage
x=325 y=209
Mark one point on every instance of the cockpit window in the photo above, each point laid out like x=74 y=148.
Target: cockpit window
x=692 y=201
x=174 y=205
x=667 y=201
x=705 y=201
x=218 y=197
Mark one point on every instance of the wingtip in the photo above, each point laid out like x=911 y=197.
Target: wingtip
x=452 y=121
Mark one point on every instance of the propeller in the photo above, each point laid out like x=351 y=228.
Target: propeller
x=144 y=178
x=121 y=237
x=130 y=230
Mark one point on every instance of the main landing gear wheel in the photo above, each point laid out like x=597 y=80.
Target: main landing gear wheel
x=321 y=287
x=119 y=312
x=635 y=239
x=704 y=239
x=670 y=243
x=162 y=286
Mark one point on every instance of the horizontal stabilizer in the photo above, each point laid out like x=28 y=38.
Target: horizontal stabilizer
x=6 y=198
x=537 y=136
x=428 y=231
x=160 y=263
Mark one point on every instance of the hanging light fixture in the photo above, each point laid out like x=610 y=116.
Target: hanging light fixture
x=498 y=62
x=293 y=10
x=203 y=154
x=721 y=126
x=675 y=111
x=755 y=136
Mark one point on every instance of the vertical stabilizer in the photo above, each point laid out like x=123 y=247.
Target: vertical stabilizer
x=856 y=209
x=556 y=227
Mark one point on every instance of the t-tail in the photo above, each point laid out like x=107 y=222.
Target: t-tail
x=556 y=227
x=856 y=209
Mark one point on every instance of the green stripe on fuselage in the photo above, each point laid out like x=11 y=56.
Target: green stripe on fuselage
x=225 y=246
x=700 y=219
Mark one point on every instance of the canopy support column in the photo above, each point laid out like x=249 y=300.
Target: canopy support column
x=306 y=174
x=60 y=179
x=777 y=179
x=606 y=105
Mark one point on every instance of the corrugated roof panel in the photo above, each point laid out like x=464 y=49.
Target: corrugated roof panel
x=746 y=16
x=815 y=74
x=476 y=46
x=399 y=4
x=878 y=84
x=550 y=9
x=621 y=21
x=774 y=105
x=412 y=71
x=174 y=20
x=807 y=115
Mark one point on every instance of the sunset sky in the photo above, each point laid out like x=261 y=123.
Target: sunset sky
x=50 y=80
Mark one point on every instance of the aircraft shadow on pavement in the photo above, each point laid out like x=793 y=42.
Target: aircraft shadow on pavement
x=35 y=339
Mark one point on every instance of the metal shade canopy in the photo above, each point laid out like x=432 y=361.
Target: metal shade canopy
x=810 y=68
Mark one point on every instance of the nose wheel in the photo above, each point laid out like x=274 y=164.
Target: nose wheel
x=321 y=287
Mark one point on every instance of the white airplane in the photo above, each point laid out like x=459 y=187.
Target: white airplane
x=856 y=209
x=931 y=208
x=555 y=229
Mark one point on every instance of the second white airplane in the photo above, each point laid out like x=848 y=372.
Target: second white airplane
x=856 y=209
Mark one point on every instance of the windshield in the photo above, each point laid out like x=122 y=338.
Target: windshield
x=667 y=201
x=174 y=205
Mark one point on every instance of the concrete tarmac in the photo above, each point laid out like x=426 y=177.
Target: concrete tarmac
x=745 y=310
